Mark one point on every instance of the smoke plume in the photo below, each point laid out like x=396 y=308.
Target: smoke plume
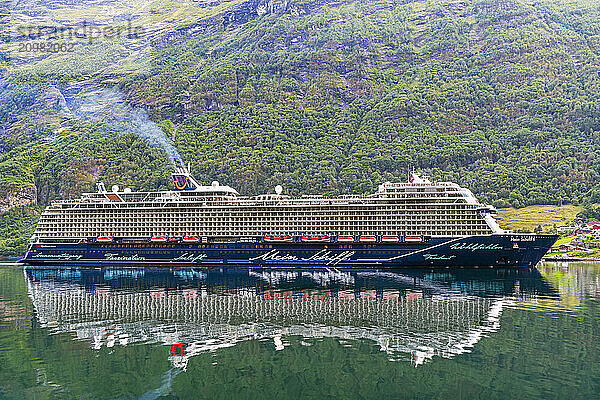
x=108 y=106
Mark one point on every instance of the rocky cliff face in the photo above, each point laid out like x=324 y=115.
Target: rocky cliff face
x=235 y=16
x=17 y=199
x=255 y=8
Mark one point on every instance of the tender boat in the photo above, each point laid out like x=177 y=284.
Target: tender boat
x=345 y=239
x=390 y=239
x=104 y=239
x=413 y=239
x=159 y=239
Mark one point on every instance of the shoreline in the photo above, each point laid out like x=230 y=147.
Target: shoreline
x=574 y=259
x=9 y=259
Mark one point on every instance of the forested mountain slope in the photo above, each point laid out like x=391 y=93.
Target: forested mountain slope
x=318 y=96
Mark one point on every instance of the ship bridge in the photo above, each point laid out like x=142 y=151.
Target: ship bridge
x=420 y=186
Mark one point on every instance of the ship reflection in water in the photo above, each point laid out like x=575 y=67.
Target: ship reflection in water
x=410 y=315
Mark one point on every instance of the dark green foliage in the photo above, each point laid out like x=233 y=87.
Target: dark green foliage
x=77 y=162
x=502 y=97
x=590 y=212
x=16 y=227
x=499 y=96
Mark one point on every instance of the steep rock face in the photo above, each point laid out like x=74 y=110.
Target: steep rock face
x=238 y=15
x=17 y=199
x=53 y=98
x=256 y=8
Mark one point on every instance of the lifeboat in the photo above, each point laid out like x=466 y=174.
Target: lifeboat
x=315 y=238
x=413 y=239
x=104 y=239
x=390 y=239
x=190 y=239
x=345 y=239
x=158 y=239
x=367 y=239
x=174 y=239
x=277 y=238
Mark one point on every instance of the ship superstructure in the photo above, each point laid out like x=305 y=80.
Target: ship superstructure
x=419 y=207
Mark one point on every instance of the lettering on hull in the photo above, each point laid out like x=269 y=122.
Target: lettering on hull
x=63 y=256
x=331 y=257
x=190 y=257
x=116 y=257
x=275 y=255
x=327 y=256
x=475 y=246
x=438 y=257
x=522 y=239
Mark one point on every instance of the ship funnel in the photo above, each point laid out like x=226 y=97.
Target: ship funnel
x=183 y=179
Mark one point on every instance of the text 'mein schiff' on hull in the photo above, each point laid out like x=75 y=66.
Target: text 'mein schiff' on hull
x=411 y=224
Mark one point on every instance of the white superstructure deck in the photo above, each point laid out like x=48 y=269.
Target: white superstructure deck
x=419 y=207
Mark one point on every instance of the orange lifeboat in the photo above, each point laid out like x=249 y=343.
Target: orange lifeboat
x=345 y=239
x=367 y=239
x=390 y=239
x=277 y=238
x=190 y=239
x=315 y=238
x=159 y=239
x=413 y=239
x=104 y=239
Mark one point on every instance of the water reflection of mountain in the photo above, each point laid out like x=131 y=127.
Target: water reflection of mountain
x=409 y=314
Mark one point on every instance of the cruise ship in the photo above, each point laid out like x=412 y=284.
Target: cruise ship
x=410 y=224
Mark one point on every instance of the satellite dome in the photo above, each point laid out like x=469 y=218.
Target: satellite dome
x=215 y=184
x=127 y=190
x=115 y=188
x=278 y=189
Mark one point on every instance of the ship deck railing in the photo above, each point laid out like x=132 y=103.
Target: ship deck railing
x=249 y=201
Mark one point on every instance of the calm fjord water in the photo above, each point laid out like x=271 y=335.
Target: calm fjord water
x=198 y=333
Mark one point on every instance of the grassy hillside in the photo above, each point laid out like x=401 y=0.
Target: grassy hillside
x=535 y=217
x=320 y=96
